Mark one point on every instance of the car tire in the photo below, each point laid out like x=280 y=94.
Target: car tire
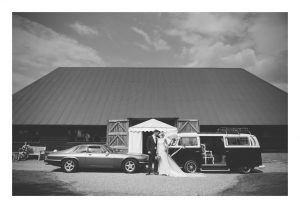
x=245 y=169
x=190 y=166
x=69 y=165
x=130 y=166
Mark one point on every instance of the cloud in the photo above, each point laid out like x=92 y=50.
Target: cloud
x=82 y=29
x=143 y=46
x=37 y=50
x=223 y=23
x=157 y=43
x=254 y=41
x=269 y=33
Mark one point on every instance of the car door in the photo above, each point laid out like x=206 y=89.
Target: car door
x=81 y=154
x=97 y=157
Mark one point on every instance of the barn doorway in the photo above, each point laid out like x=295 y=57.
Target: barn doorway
x=145 y=136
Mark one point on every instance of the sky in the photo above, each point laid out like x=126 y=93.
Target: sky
x=256 y=42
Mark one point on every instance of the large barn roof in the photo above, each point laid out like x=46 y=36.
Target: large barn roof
x=91 y=96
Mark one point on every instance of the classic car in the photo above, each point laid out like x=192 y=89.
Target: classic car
x=95 y=156
x=217 y=151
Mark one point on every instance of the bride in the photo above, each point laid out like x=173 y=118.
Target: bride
x=166 y=165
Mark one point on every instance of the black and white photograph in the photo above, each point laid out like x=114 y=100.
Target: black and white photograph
x=136 y=103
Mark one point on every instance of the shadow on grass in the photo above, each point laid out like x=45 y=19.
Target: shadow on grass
x=260 y=184
x=256 y=171
x=97 y=170
x=45 y=189
x=38 y=183
x=231 y=172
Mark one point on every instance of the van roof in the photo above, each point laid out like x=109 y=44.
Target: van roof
x=210 y=134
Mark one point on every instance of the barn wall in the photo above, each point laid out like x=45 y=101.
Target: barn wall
x=57 y=136
x=272 y=138
x=117 y=134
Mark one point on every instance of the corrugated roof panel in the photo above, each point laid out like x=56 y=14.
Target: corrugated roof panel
x=91 y=96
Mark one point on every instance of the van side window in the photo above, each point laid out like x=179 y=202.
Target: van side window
x=241 y=141
x=188 y=141
x=213 y=143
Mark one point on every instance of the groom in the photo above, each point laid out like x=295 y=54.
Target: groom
x=152 y=148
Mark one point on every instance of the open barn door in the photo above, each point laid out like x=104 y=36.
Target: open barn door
x=117 y=133
x=188 y=125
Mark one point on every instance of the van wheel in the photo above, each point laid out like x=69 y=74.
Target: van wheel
x=190 y=166
x=245 y=169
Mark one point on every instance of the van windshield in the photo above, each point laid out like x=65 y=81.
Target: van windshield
x=188 y=141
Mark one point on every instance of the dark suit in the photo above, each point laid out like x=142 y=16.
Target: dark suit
x=152 y=147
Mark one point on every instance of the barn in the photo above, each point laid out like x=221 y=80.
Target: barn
x=74 y=105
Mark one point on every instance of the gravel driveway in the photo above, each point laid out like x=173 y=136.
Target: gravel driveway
x=35 y=178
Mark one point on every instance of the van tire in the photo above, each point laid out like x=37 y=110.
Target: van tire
x=245 y=169
x=190 y=166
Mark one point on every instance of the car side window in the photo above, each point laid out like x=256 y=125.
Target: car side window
x=188 y=141
x=96 y=149
x=81 y=149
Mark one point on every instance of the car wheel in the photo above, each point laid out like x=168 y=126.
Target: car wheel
x=190 y=166
x=245 y=169
x=69 y=165
x=130 y=166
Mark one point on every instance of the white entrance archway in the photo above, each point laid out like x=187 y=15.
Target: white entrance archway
x=135 y=140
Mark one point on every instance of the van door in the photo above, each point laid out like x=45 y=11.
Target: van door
x=186 y=148
x=214 y=150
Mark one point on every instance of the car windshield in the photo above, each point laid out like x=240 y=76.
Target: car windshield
x=81 y=149
x=69 y=150
x=111 y=150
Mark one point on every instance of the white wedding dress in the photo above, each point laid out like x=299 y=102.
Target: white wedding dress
x=167 y=166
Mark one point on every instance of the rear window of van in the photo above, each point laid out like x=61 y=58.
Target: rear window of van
x=238 y=141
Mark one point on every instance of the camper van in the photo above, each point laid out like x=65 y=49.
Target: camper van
x=225 y=150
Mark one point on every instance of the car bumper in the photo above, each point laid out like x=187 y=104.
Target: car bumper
x=143 y=163
x=52 y=162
